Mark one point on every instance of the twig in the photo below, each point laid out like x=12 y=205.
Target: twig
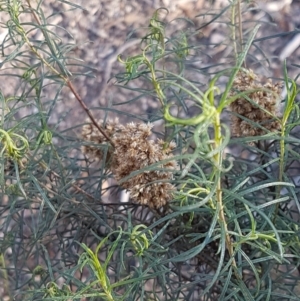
x=64 y=78
x=58 y=177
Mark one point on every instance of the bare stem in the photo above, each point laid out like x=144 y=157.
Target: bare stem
x=5 y=276
x=222 y=218
x=233 y=35
x=66 y=79
x=239 y=13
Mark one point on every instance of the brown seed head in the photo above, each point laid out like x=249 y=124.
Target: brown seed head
x=133 y=152
x=262 y=109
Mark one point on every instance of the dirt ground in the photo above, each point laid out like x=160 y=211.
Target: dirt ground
x=101 y=31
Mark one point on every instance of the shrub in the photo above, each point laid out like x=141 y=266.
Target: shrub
x=213 y=210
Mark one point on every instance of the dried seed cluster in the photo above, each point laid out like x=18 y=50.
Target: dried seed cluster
x=134 y=151
x=262 y=110
x=92 y=134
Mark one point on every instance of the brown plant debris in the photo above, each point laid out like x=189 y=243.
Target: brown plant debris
x=134 y=151
x=260 y=113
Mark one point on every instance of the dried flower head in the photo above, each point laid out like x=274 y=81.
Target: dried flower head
x=92 y=134
x=262 y=109
x=133 y=152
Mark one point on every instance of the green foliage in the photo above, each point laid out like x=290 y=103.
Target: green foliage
x=231 y=231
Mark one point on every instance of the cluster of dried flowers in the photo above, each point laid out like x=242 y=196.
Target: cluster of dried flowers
x=262 y=110
x=134 y=151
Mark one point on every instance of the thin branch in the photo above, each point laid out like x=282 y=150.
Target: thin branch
x=64 y=78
